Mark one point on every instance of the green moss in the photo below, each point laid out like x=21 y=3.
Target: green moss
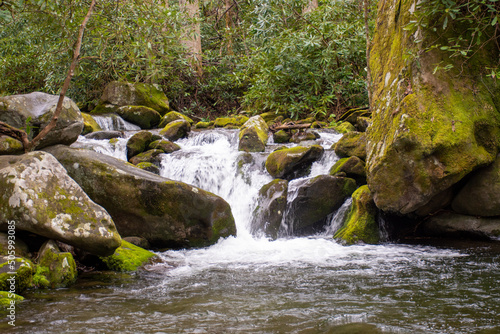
x=40 y=277
x=176 y=130
x=203 y=125
x=153 y=97
x=24 y=272
x=89 y=124
x=253 y=135
x=284 y=162
x=344 y=127
x=145 y=117
x=6 y=298
x=361 y=224
x=127 y=257
x=351 y=144
x=173 y=116
x=58 y=268
x=138 y=143
x=164 y=145
x=236 y=121
x=9 y=145
x=281 y=137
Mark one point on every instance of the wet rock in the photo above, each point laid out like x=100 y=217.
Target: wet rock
x=352 y=167
x=174 y=116
x=89 y=124
x=41 y=198
x=127 y=257
x=203 y=125
x=166 y=213
x=352 y=115
x=39 y=108
x=290 y=163
x=253 y=135
x=449 y=224
x=145 y=117
x=139 y=142
x=55 y=269
x=270 y=209
x=165 y=145
x=176 y=130
x=315 y=199
x=361 y=223
x=281 y=136
x=148 y=166
x=152 y=156
x=102 y=135
x=351 y=144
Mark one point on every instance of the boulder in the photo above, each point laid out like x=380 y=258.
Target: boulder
x=290 y=163
x=151 y=156
x=89 y=124
x=57 y=268
x=271 y=115
x=351 y=144
x=315 y=199
x=281 y=137
x=145 y=117
x=253 y=135
x=450 y=224
x=176 y=130
x=300 y=136
x=9 y=145
x=361 y=223
x=352 y=167
x=138 y=241
x=165 y=212
x=102 y=135
x=36 y=110
x=127 y=257
x=118 y=94
x=173 y=116
x=363 y=123
x=481 y=194
x=203 y=125
x=22 y=280
x=344 y=127
x=165 y=145
x=271 y=206
x=430 y=127
x=139 y=142
x=41 y=198
x=235 y=121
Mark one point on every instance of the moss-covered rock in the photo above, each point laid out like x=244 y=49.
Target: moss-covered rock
x=453 y=225
x=281 y=136
x=118 y=94
x=165 y=145
x=300 y=136
x=290 y=163
x=176 y=130
x=151 y=156
x=102 y=135
x=481 y=194
x=361 y=223
x=430 y=128
x=237 y=121
x=8 y=298
x=352 y=167
x=344 y=127
x=351 y=144
x=203 y=125
x=173 y=116
x=41 y=198
x=89 y=124
x=253 y=135
x=150 y=167
x=138 y=241
x=127 y=257
x=39 y=109
x=363 y=123
x=315 y=199
x=271 y=206
x=58 y=268
x=23 y=277
x=139 y=142
x=272 y=115
x=12 y=244
x=9 y=145
x=165 y=212
x=145 y=117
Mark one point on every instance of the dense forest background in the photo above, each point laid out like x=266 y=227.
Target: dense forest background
x=211 y=57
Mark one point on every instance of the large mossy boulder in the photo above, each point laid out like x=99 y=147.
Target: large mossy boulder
x=453 y=225
x=55 y=269
x=127 y=257
x=89 y=124
x=290 y=163
x=315 y=199
x=24 y=270
x=36 y=110
x=167 y=213
x=271 y=206
x=41 y=198
x=430 y=128
x=253 y=135
x=352 y=144
x=361 y=223
x=145 y=117
x=481 y=194
x=173 y=116
x=118 y=94
x=176 y=130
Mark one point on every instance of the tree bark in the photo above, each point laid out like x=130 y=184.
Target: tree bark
x=367 y=36
x=191 y=36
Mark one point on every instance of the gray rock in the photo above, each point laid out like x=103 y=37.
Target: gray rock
x=101 y=135
x=449 y=224
x=270 y=209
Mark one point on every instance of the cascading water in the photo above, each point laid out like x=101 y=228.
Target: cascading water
x=246 y=284
x=113 y=122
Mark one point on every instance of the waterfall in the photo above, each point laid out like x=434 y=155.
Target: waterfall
x=111 y=122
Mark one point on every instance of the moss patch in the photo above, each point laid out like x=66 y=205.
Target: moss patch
x=127 y=257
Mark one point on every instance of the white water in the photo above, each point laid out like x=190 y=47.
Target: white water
x=114 y=123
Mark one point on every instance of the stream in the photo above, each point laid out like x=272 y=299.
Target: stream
x=249 y=284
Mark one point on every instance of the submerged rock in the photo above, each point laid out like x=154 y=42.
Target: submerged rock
x=430 y=128
x=315 y=199
x=41 y=198
x=167 y=213
x=127 y=257
x=290 y=163
x=55 y=269
x=253 y=135
x=270 y=209
x=361 y=224
x=36 y=109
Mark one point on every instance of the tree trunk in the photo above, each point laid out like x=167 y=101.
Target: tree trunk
x=228 y=5
x=191 y=35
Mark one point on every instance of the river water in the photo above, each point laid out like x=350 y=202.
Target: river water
x=248 y=284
